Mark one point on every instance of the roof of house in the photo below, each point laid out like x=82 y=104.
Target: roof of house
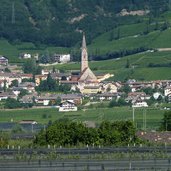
x=28 y=122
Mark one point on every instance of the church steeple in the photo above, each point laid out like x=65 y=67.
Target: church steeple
x=84 y=55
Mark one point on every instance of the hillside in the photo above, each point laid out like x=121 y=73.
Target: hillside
x=59 y=22
x=142 y=66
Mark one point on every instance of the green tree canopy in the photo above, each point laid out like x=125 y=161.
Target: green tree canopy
x=65 y=132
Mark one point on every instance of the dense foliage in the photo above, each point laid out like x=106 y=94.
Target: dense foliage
x=53 y=85
x=76 y=133
x=166 y=124
x=59 y=22
x=11 y=103
x=30 y=66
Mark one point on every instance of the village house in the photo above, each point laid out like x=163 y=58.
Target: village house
x=134 y=96
x=136 y=86
x=9 y=77
x=67 y=106
x=76 y=98
x=29 y=86
x=39 y=78
x=167 y=91
x=62 y=58
x=90 y=89
x=169 y=97
x=27 y=99
x=160 y=84
x=26 y=76
x=3 y=83
x=156 y=95
x=111 y=87
x=45 y=72
x=105 y=96
x=47 y=99
x=25 y=56
x=16 y=90
x=3 y=61
x=139 y=103
x=32 y=122
x=6 y=95
x=61 y=76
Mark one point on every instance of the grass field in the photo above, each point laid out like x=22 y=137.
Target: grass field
x=43 y=116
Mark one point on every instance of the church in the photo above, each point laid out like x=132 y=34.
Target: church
x=87 y=82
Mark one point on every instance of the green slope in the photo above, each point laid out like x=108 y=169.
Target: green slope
x=139 y=66
x=12 y=51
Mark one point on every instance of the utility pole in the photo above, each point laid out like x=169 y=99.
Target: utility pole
x=144 y=119
x=133 y=114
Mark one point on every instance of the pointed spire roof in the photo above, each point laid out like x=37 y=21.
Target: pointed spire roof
x=84 y=42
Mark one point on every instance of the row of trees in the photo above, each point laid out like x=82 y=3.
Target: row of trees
x=118 y=54
x=76 y=133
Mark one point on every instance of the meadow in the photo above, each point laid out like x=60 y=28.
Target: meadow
x=153 y=115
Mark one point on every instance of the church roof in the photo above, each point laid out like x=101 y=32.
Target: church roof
x=84 y=42
x=87 y=75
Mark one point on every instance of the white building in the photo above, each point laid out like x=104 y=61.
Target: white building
x=167 y=91
x=3 y=61
x=62 y=58
x=140 y=104
x=67 y=106
x=25 y=56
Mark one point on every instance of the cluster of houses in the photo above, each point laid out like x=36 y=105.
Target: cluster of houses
x=89 y=85
x=105 y=91
x=57 y=58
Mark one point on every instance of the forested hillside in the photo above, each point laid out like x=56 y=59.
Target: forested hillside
x=60 y=22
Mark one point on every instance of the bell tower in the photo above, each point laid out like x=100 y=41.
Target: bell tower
x=84 y=55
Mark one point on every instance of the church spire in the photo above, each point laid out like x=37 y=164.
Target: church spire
x=84 y=55
x=84 y=42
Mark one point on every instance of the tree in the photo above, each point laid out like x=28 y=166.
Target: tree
x=48 y=85
x=5 y=85
x=117 y=34
x=11 y=103
x=58 y=101
x=23 y=92
x=126 y=88
x=64 y=132
x=127 y=63
x=30 y=66
x=7 y=70
x=4 y=140
x=14 y=83
x=160 y=99
x=166 y=122
x=111 y=37
x=148 y=90
x=52 y=85
x=113 y=103
x=121 y=102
